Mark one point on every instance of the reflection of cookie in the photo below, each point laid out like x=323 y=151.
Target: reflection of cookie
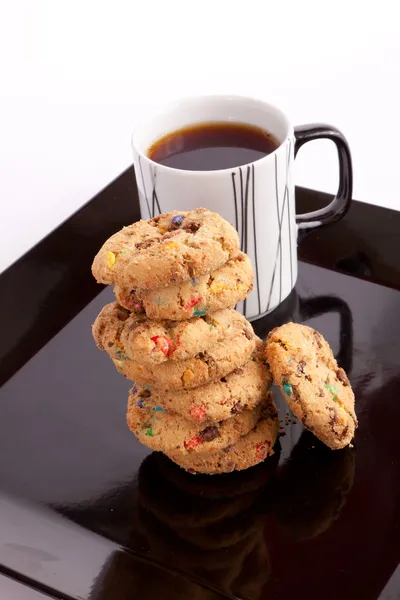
x=247 y=579
x=225 y=533
x=227 y=485
x=208 y=293
x=179 y=509
x=169 y=432
x=170 y=248
x=125 y=576
x=313 y=487
x=250 y=450
x=242 y=389
x=173 y=550
x=224 y=579
x=228 y=353
x=126 y=335
x=317 y=391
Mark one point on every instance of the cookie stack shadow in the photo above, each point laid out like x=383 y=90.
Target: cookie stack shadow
x=200 y=389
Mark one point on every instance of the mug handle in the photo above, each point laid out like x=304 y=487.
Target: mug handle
x=341 y=202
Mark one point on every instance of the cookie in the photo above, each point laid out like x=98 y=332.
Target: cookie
x=317 y=390
x=171 y=248
x=241 y=389
x=127 y=335
x=250 y=450
x=228 y=353
x=168 y=432
x=205 y=294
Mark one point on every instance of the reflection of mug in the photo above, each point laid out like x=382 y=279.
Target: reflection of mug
x=300 y=310
x=258 y=198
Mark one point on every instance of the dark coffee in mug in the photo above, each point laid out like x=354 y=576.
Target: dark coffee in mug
x=212 y=146
x=228 y=162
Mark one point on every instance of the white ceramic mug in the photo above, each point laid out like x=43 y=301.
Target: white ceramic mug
x=258 y=198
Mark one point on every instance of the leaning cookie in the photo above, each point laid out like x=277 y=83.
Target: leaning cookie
x=205 y=294
x=240 y=390
x=169 y=432
x=127 y=335
x=316 y=389
x=250 y=450
x=227 y=354
x=171 y=248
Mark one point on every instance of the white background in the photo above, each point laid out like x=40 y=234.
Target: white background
x=77 y=75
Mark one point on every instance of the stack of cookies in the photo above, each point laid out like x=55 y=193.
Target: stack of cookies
x=200 y=392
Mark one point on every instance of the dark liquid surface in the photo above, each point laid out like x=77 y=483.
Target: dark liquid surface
x=212 y=146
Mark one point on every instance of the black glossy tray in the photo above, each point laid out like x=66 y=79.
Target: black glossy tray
x=86 y=512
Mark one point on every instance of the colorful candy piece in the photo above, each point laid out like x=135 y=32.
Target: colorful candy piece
x=177 y=220
x=194 y=280
x=262 y=449
x=171 y=245
x=132 y=302
x=216 y=287
x=140 y=403
x=149 y=432
x=332 y=389
x=162 y=343
x=192 y=302
x=198 y=414
x=187 y=376
x=193 y=443
x=287 y=388
x=110 y=259
x=200 y=313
